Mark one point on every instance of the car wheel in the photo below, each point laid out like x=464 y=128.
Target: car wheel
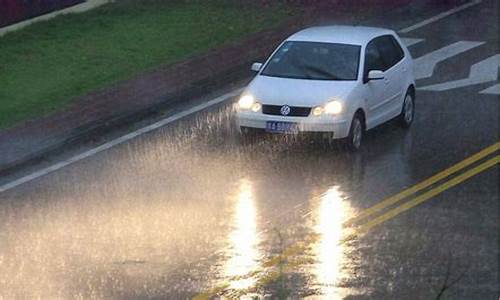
x=408 y=111
x=248 y=134
x=356 y=133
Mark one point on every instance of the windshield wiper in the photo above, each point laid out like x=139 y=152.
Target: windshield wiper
x=319 y=71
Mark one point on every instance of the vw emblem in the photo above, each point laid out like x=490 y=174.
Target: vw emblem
x=285 y=110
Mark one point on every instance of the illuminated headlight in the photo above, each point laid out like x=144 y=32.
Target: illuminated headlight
x=330 y=108
x=318 y=111
x=333 y=108
x=248 y=102
x=256 y=107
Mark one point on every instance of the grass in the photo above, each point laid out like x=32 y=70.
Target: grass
x=44 y=67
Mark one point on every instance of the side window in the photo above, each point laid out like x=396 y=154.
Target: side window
x=399 y=53
x=390 y=50
x=373 y=59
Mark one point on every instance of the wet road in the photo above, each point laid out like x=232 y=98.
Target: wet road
x=188 y=211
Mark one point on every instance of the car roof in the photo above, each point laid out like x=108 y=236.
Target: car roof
x=355 y=35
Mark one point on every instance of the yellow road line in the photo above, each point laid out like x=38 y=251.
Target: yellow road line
x=429 y=194
x=424 y=184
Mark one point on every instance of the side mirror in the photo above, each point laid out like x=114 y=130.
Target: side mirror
x=256 y=67
x=375 y=75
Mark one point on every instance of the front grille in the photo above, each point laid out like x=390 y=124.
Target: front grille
x=295 y=111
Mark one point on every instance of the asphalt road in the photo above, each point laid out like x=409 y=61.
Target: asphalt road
x=186 y=210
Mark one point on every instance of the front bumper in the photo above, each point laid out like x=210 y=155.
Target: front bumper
x=326 y=123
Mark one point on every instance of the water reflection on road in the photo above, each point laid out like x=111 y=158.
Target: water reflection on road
x=244 y=239
x=331 y=212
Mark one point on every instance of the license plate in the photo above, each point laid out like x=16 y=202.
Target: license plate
x=281 y=127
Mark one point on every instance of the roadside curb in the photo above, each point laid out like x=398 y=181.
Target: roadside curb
x=77 y=8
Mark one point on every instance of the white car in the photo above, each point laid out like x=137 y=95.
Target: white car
x=339 y=80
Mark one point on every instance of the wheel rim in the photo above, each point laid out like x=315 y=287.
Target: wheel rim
x=357 y=133
x=408 y=109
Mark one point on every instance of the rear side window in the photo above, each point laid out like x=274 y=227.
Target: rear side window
x=390 y=50
x=373 y=59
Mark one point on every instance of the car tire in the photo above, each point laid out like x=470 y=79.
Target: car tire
x=408 y=110
x=248 y=134
x=356 y=133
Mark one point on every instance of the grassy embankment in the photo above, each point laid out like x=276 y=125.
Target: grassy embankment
x=45 y=66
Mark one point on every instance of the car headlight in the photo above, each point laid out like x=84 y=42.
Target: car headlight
x=248 y=102
x=318 y=111
x=333 y=108
x=330 y=108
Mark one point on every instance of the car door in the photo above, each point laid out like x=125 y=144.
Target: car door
x=375 y=94
x=392 y=55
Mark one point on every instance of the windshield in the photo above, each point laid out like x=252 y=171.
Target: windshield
x=312 y=60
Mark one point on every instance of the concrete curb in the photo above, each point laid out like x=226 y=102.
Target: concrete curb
x=79 y=8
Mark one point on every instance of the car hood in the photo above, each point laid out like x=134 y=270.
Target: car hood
x=298 y=92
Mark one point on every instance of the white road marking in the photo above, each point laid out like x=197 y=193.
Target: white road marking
x=411 y=41
x=439 y=16
x=481 y=72
x=117 y=141
x=424 y=65
x=494 y=90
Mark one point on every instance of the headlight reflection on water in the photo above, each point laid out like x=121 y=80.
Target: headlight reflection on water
x=333 y=210
x=244 y=239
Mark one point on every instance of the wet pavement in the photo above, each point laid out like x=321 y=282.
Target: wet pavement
x=188 y=210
